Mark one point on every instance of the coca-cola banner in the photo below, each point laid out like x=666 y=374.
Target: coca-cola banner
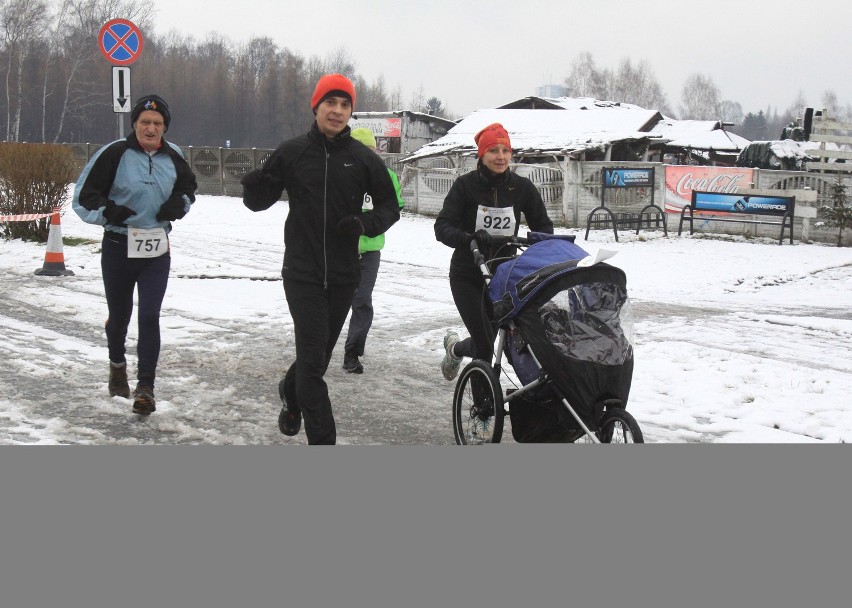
x=381 y=127
x=681 y=180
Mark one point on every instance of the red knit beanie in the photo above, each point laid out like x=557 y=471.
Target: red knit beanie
x=330 y=85
x=490 y=136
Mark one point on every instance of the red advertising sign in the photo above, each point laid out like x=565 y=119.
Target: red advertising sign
x=681 y=180
x=381 y=127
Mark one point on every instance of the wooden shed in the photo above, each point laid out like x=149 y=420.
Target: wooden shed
x=401 y=132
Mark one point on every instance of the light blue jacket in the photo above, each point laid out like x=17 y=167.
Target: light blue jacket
x=123 y=172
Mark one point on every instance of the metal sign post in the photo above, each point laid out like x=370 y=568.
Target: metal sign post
x=120 y=95
x=121 y=42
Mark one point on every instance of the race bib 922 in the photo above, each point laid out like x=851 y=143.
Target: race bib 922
x=499 y=221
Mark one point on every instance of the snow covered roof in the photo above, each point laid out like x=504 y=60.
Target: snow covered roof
x=789 y=148
x=421 y=116
x=699 y=134
x=586 y=126
x=565 y=103
x=785 y=154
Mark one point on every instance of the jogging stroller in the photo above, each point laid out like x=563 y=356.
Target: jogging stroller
x=564 y=324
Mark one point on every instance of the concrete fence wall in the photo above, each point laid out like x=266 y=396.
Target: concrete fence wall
x=570 y=189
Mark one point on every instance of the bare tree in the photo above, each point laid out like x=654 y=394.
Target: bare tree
x=585 y=80
x=21 y=22
x=730 y=111
x=297 y=85
x=637 y=84
x=831 y=103
x=396 y=99
x=252 y=67
x=57 y=22
x=633 y=83
x=255 y=57
x=418 y=99
x=700 y=98
x=340 y=61
x=372 y=97
x=798 y=107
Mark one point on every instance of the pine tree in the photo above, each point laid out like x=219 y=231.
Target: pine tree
x=840 y=214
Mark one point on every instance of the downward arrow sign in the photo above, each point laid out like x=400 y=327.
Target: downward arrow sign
x=120 y=89
x=121 y=97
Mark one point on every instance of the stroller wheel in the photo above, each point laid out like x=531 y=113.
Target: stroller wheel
x=478 y=405
x=619 y=426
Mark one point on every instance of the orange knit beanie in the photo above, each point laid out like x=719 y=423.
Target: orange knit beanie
x=333 y=84
x=490 y=136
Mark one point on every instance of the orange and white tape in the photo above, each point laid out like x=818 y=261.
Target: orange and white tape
x=24 y=218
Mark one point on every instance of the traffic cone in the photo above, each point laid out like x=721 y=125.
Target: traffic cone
x=54 y=259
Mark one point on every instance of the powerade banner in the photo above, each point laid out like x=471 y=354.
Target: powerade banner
x=735 y=203
x=628 y=178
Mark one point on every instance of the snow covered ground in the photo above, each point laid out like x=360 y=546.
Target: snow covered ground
x=737 y=341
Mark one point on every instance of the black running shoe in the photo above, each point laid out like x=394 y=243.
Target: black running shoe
x=351 y=363
x=289 y=421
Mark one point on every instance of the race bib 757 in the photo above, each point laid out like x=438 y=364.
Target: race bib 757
x=146 y=242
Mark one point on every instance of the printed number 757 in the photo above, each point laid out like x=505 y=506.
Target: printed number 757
x=149 y=245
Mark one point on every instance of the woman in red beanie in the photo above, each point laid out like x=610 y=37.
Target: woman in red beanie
x=327 y=176
x=486 y=202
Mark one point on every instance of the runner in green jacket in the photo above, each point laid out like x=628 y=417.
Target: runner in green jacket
x=369 y=249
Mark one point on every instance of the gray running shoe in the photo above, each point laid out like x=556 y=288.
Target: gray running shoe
x=118 y=386
x=450 y=365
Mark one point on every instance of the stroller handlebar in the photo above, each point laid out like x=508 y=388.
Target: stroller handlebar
x=518 y=241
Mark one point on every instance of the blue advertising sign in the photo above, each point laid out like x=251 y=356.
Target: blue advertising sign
x=738 y=203
x=628 y=178
x=120 y=41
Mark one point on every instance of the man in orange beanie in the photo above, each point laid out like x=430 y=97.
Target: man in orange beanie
x=327 y=176
x=333 y=85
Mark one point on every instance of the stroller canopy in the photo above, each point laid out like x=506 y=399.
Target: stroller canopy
x=575 y=318
x=516 y=281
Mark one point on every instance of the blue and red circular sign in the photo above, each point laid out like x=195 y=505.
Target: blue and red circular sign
x=120 y=41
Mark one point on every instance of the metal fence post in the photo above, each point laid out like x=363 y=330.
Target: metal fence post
x=416 y=171
x=221 y=172
x=565 y=191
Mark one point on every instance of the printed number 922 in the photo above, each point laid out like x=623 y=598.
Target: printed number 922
x=497 y=223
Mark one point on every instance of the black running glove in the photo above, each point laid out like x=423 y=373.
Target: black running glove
x=350 y=226
x=173 y=209
x=117 y=214
x=483 y=238
x=253 y=179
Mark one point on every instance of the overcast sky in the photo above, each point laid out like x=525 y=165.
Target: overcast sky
x=480 y=54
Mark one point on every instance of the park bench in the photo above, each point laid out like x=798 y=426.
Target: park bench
x=650 y=217
x=618 y=178
x=739 y=208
